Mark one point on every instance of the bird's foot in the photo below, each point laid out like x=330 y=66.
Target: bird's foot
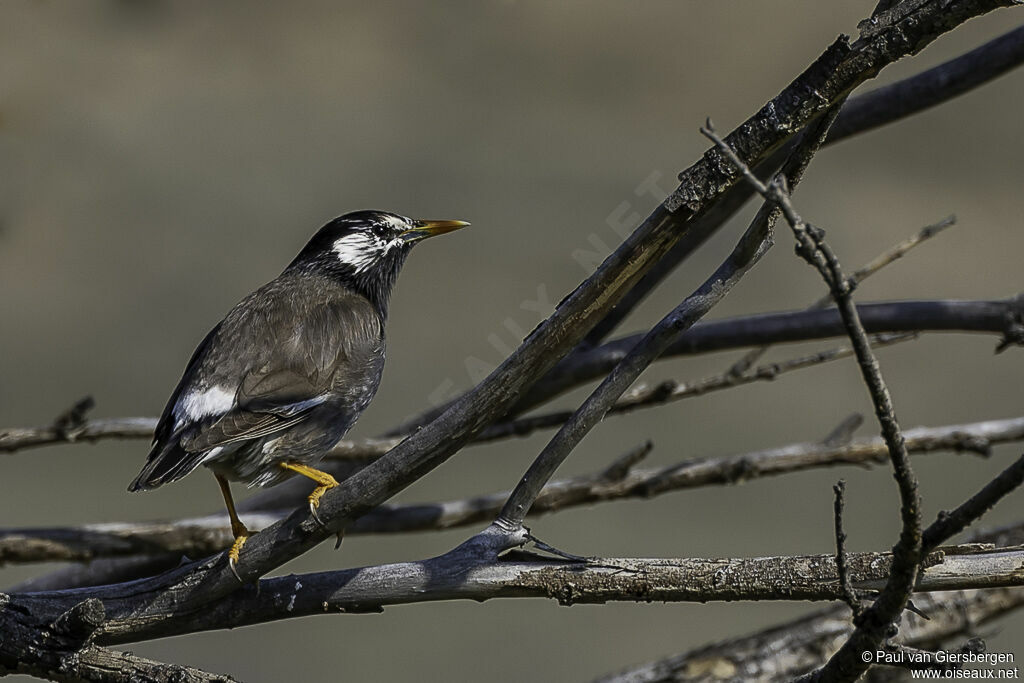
x=241 y=536
x=326 y=482
x=314 y=498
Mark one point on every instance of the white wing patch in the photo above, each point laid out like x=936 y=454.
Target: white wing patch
x=198 y=404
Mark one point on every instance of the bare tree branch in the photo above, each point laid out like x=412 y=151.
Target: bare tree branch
x=951 y=523
x=999 y=317
x=178 y=598
x=621 y=480
x=463 y=573
x=842 y=570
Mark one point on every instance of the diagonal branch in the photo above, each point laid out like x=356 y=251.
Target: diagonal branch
x=864 y=112
x=754 y=243
x=951 y=523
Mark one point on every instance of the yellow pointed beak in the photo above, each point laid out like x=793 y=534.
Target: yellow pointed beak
x=425 y=229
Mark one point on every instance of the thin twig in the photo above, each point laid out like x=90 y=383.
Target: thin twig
x=845 y=584
x=847 y=664
x=671 y=390
x=890 y=255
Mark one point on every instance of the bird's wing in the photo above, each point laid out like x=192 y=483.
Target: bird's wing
x=274 y=360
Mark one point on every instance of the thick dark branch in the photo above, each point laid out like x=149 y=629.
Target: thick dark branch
x=62 y=650
x=930 y=88
x=622 y=480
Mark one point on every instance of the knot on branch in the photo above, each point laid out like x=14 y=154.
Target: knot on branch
x=972 y=443
x=79 y=623
x=71 y=422
x=1013 y=335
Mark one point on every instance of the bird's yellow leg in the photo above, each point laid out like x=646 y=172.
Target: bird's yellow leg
x=238 y=530
x=324 y=481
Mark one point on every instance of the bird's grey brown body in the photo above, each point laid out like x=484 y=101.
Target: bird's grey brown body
x=295 y=362
x=287 y=372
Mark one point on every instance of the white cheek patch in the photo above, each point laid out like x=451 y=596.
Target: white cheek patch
x=199 y=404
x=359 y=250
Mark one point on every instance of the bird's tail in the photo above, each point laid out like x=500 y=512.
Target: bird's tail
x=166 y=463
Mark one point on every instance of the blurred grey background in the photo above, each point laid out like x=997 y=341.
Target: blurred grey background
x=161 y=159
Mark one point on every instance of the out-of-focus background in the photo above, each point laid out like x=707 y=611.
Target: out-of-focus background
x=162 y=159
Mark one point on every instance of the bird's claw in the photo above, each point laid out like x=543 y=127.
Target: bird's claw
x=313 y=505
x=236 y=547
x=233 y=566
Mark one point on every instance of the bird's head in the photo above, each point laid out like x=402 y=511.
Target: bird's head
x=365 y=250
